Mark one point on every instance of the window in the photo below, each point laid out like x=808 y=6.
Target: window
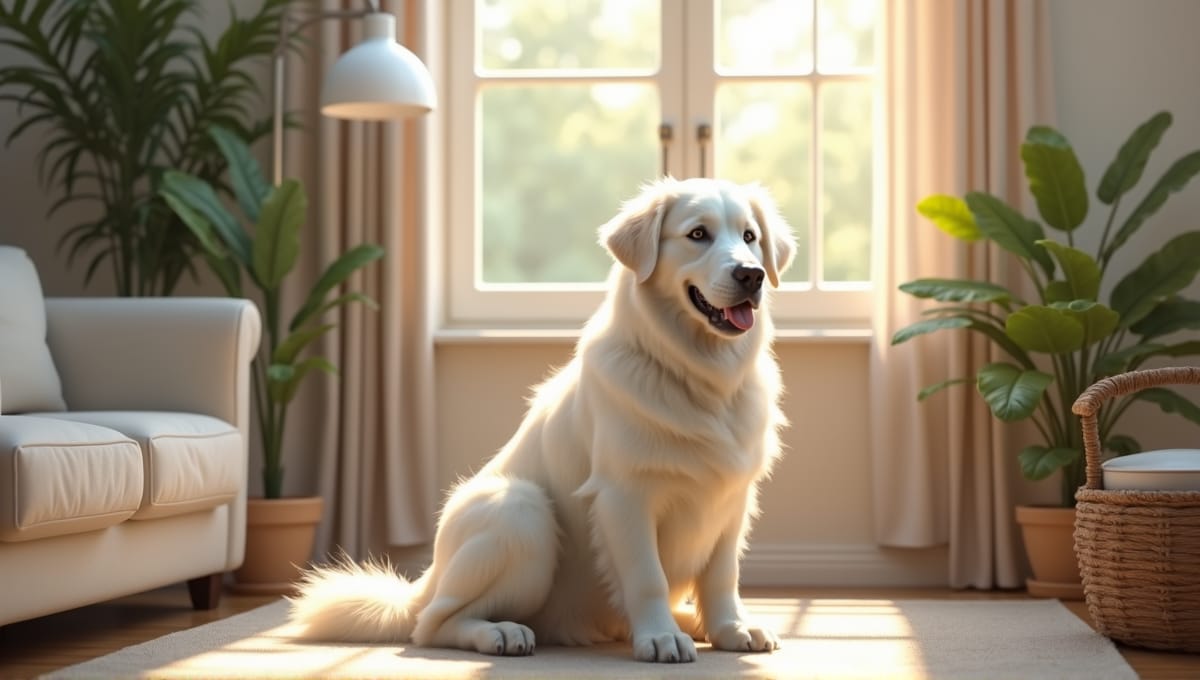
x=558 y=111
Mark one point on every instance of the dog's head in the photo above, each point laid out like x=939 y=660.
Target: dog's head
x=711 y=243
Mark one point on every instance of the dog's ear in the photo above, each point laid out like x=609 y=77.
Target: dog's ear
x=632 y=236
x=778 y=243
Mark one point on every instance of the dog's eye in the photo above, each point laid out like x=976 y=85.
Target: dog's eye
x=748 y=236
x=698 y=234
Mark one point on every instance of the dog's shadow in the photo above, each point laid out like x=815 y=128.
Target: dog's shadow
x=605 y=660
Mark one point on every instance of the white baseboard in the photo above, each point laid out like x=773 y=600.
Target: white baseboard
x=788 y=564
x=799 y=564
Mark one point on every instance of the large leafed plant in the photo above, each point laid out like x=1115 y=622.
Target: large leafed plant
x=120 y=91
x=1066 y=338
x=264 y=251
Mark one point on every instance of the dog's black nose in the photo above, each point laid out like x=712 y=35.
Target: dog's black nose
x=749 y=278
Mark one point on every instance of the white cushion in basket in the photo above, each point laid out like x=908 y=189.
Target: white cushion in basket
x=192 y=462
x=59 y=477
x=26 y=369
x=1163 y=470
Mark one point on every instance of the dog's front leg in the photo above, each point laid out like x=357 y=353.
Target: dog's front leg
x=720 y=606
x=626 y=532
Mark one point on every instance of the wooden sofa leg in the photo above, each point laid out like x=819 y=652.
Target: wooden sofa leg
x=205 y=591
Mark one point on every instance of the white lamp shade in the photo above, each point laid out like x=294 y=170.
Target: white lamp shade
x=378 y=79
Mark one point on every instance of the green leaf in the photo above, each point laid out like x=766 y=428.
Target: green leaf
x=1080 y=270
x=277 y=234
x=1055 y=178
x=249 y=185
x=1123 y=360
x=1182 y=349
x=1170 y=402
x=1122 y=445
x=284 y=389
x=1175 y=178
x=1126 y=169
x=1009 y=229
x=227 y=272
x=956 y=290
x=347 y=298
x=199 y=226
x=981 y=322
x=1098 y=321
x=1159 y=277
x=1171 y=315
x=278 y=377
x=1037 y=328
x=1039 y=462
x=929 y=326
x=198 y=195
x=293 y=344
x=1058 y=291
x=1010 y=392
x=934 y=389
x=1134 y=356
x=337 y=272
x=951 y=215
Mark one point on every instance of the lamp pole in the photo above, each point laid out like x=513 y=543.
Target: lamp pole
x=279 y=75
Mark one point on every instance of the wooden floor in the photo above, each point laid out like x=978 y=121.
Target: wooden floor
x=30 y=648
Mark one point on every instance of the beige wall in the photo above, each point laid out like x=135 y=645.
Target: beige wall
x=1116 y=63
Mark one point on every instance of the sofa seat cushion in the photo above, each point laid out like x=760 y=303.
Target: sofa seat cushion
x=63 y=477
x=192 y=462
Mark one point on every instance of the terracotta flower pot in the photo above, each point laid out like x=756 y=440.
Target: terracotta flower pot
x=1050 y=544
x=279 y=541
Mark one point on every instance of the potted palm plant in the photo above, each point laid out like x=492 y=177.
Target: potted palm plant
x=122 y=90
x=279 y=530
x=1065 y=338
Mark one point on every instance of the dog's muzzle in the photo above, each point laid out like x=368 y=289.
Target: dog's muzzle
x=733 y=320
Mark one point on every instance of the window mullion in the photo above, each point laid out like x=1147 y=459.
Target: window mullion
x=700 y=82
x=672 y=81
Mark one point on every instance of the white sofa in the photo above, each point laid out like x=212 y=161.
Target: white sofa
x=124 y=425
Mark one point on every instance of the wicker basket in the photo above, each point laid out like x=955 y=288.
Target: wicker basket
x=1138 y=551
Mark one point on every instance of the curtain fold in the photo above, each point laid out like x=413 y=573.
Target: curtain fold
x=963 y=81
x=368 y=431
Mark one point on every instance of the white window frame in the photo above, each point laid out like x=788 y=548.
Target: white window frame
x=469 y=304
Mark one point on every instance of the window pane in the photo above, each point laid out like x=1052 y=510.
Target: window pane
x=764 y=36
x=764 y=135
x=580 y=34
x=847 y=186
x=557 y=161
x=847 y=40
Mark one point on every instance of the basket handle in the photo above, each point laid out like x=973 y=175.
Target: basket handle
x=1088 y=405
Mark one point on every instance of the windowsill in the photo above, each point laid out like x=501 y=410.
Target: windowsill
x=569 y=335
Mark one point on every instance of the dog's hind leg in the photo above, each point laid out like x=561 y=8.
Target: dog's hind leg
x=494 y=562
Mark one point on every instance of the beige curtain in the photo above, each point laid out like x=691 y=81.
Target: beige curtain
x=964 y=80
x=367 y=435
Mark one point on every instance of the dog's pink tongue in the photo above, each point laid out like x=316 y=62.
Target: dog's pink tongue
x=741 y=316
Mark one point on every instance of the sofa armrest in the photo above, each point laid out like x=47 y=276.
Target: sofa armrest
x=164 y=354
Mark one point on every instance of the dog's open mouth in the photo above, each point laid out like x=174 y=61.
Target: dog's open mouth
x=736 y=319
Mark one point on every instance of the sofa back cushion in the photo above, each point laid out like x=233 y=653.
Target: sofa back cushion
x=28 y=379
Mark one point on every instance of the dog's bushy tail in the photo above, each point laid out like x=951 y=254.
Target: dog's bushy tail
x=357 y=602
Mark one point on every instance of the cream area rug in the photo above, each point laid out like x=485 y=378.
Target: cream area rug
x=823 y=638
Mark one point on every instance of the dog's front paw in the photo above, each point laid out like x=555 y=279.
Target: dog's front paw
x=504 y=638
x=672 y=647
x=739 y=637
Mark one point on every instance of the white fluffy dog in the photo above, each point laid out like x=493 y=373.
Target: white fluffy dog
x=628 y=490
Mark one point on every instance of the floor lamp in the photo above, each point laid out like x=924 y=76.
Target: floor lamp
x=377 y=79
